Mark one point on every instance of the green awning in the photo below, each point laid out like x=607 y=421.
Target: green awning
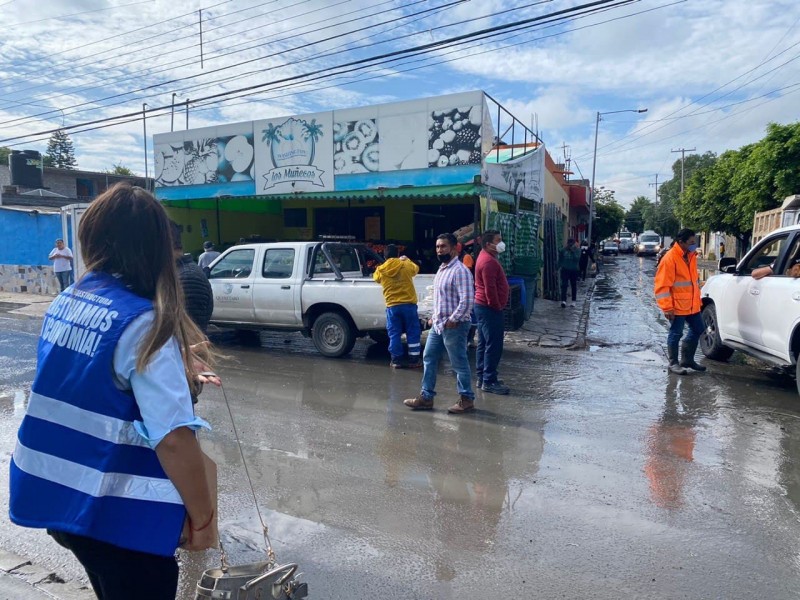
x=272 y=204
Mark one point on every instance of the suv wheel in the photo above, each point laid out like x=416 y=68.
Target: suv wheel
x=710 y=342
x=332 y=335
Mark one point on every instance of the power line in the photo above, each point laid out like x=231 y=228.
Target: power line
x=228 y=67
x=85 y=12
x=132 y=117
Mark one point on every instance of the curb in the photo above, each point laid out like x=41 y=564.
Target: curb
x=583 y=323
x=19 y=576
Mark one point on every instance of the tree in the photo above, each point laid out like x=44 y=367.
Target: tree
x=120 y=169
x=60 y=151
x=609 y=215
x=635 y=216
x=4 y=154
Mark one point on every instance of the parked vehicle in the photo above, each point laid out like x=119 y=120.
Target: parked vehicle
x=610 y=247
x=649 y=244
x=626 y=243
x=323 y=289
x=760 y=317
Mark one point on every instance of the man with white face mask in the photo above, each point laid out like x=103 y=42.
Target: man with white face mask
x=491 y=297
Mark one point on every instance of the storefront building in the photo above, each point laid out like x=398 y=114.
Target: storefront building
x=401 y=172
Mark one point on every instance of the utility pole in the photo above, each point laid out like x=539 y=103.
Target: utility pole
x=144 y=127
x=172 y=114
x=683 y=152
x=655 y=211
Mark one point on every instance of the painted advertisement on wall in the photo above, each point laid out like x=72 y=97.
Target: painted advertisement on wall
x=212 y=155
x=294 y=154
x=304 y=153
x=522 y=176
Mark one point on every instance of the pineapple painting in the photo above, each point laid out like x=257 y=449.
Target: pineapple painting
x=295 y=154
x=201 y=161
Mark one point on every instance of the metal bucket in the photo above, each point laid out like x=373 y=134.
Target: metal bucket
x=254 y=581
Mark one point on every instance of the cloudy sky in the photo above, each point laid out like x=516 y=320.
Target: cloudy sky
x=712 y=73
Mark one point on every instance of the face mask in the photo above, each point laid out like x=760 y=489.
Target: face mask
x=444 y=258
x=692 y=247
x=500 y=247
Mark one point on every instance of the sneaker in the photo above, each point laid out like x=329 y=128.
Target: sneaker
x=415 y=362
x=463 y=405
x=496 y=387
x=563 y=305
x=419 y=403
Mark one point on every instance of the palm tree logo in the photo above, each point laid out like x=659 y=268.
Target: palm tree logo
x=293 y=142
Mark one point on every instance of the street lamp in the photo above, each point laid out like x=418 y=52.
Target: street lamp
x=594 y=160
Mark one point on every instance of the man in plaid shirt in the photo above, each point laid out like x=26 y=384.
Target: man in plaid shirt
x=453 y=299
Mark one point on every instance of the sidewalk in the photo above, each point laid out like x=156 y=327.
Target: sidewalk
x=21 y=579
x=25 y=305
x=551 y=326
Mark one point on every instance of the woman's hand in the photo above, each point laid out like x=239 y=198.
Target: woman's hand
x=197 y=541
x=203 y=372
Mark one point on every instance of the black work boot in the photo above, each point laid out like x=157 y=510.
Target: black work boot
x=688 y=350
x=674 y=367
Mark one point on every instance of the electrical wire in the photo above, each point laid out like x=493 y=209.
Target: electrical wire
x=77 y=14
x=228 y=67
x=138 y=115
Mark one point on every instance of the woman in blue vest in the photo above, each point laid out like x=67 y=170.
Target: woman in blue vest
x=106 y=457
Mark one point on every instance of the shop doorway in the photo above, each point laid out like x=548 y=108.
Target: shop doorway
x=363 y=223
x=431 y=220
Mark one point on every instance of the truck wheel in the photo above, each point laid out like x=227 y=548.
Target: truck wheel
x=797 y=375
x=332 y=334
x=710 y=342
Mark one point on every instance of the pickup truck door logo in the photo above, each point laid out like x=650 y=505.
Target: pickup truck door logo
x=227 y=288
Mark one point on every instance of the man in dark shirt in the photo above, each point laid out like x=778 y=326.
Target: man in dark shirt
x=198 y=297
x=491 y=297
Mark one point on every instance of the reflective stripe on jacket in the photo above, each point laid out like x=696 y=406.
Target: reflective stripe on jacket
x=79 y=465
x=677 y=285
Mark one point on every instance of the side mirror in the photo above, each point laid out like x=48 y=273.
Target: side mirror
x=728 y=261
x=730 y=269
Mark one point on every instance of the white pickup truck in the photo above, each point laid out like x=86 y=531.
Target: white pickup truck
x=760 y=317
x=323 y=289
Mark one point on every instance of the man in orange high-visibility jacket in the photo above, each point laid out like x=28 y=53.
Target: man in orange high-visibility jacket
x=677 y=290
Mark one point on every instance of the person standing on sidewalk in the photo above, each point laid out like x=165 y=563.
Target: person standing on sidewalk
x=106 y=458
x=207 y=257
x=396 y=277
x=677 y=291
x=586 y=256
x=453 y=299
x=62 y=264
x=569 y=259
x=197 y=293
x=491 y=297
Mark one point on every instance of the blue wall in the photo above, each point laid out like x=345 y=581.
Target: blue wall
x=26 y=238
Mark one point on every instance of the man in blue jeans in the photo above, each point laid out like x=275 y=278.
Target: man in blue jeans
x=491 y=297
x=453 y=299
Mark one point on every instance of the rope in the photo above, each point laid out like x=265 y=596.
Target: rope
x=270 y=553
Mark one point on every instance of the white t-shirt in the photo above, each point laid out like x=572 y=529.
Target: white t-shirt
x=61 y=264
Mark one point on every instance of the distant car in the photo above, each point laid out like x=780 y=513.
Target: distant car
x=649 y=244
x=610 y=247
x=626 y=242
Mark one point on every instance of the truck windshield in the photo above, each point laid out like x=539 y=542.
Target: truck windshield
x=625 y=235
x=650 y=239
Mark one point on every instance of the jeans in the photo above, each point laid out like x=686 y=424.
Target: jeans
x=696 y=328
x=64 y=279
x=400 y=319
x=571 y=278
x=490 y=342
x=119 y=574
x=454 y=342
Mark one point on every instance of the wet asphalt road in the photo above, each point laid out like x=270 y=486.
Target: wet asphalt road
x=601 y=476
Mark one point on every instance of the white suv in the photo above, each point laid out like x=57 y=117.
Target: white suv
x=758 y=316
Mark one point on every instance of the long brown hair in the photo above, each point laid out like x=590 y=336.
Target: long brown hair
x=126 y=232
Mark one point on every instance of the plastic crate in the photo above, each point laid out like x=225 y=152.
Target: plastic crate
x=514 y=296
x=513 y=318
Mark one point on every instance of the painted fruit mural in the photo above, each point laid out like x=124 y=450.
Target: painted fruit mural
x=454 y=136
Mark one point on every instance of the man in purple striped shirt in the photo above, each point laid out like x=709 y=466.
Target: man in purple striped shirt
x=453 y=299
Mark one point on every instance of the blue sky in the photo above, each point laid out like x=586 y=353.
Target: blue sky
x=712 y=73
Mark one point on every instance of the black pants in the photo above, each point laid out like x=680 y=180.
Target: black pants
x=569 y=278
x=584 y=267
x=120 y=574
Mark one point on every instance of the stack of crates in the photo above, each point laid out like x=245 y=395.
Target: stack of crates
x=514 y=312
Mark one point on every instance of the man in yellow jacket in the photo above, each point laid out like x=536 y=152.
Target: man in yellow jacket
x=396 y=276
x=677 y=290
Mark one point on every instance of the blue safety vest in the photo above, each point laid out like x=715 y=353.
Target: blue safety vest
x=79 y=465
